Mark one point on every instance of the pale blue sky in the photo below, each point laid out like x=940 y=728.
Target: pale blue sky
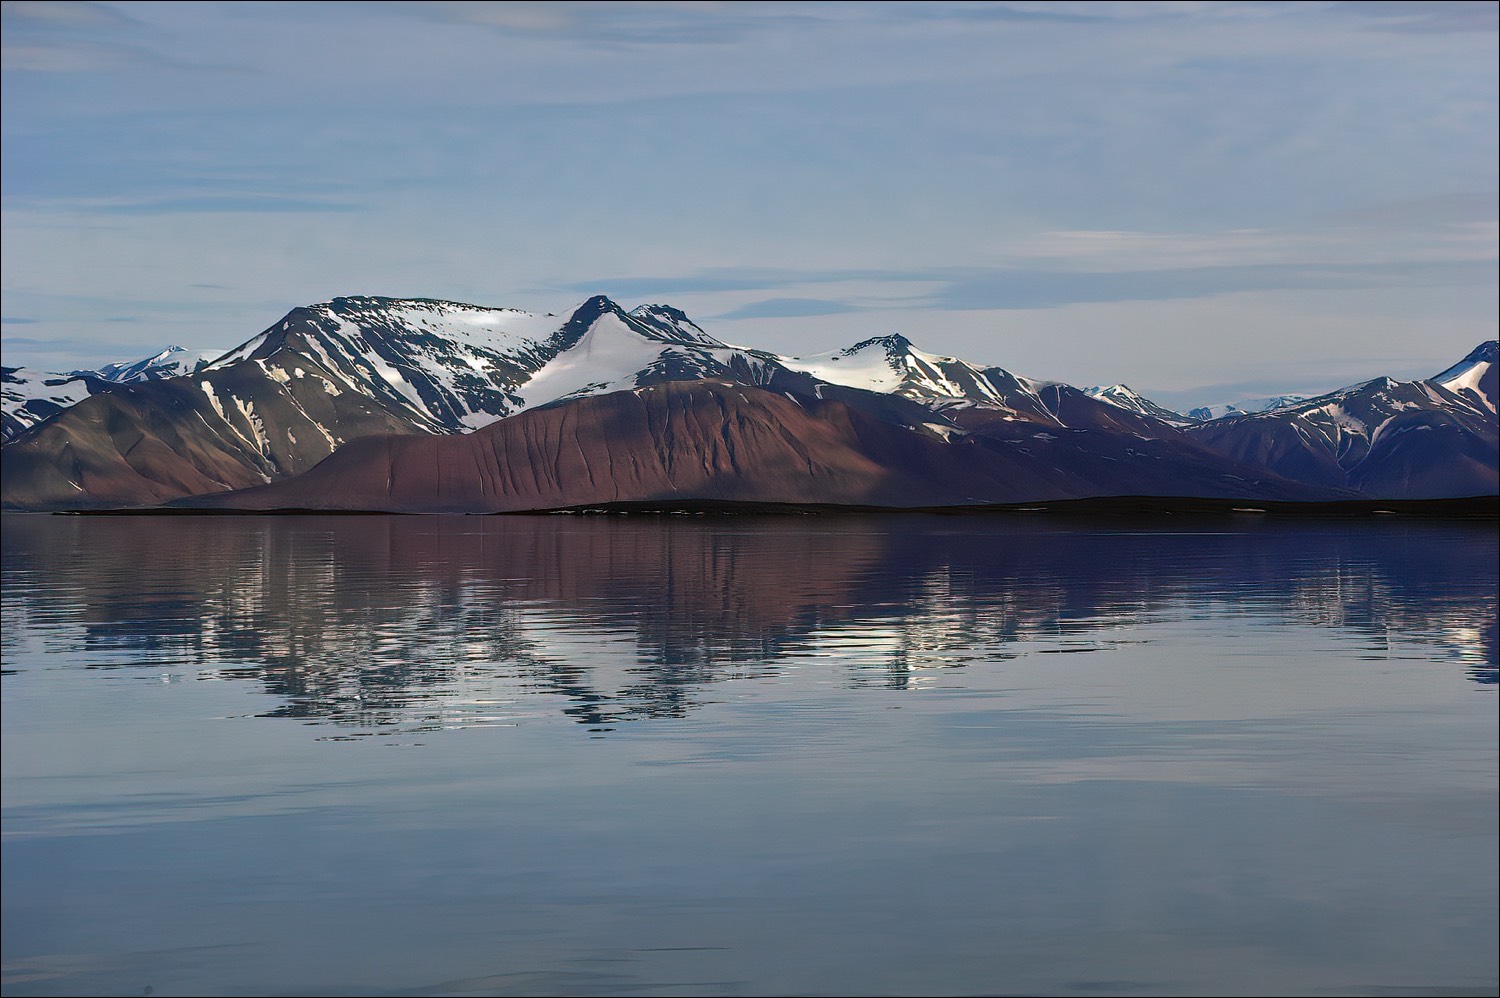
x=1179 y=196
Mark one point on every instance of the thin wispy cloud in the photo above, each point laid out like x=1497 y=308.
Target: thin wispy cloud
x=1033 y=289
x=43 y=36
x=1426 y=238
x=58 y=15
x=213 y=203
x=650 y=23
x=787 y=308
x=1427 y=16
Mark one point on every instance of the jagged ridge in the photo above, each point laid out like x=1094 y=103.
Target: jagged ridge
x=361 y=366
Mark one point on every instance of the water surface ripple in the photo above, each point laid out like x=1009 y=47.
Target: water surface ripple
x=748 y=755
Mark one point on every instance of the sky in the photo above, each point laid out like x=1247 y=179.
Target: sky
x=1201 y=200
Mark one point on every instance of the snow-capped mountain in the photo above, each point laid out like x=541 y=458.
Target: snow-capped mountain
x=796 y=435
x=1398 y=439
x=966 y=395
x=908 y=386
x=1243 y=407
x=328 y=374
x=451 y=368
x=447 y=367
x=650 y=345
x=891 y=364
x=443 y=366
x=1474 y=377
x=1127 y=398
x=617 y=354
x=672 y=325
x=29 y=397
x=172 y=362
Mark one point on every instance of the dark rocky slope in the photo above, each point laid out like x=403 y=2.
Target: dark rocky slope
x=710 y=441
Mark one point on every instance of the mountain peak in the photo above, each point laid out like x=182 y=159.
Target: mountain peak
x=894 y=344
x=1488 y=351
x=598 y=305
x=673 y=325
x=1124 y=391
x=1474 y=377
x=662 y=311
x=360 y=366
x=354 y=304
x=1127 y=398
x=582 y=317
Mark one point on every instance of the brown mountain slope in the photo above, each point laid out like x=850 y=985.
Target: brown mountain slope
x=138 y=445
x=712 y=441
x=287 y=398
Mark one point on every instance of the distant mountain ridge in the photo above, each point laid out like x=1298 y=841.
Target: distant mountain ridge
x=1127 y=398
x=1389 y=438
x=331 y=374
x=29 y=397
x=1243 y=407
x=172 y=362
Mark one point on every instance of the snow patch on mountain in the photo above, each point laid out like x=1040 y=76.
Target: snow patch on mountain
x=673 y=325
x=1474 y=376
x=1245 y=407
x=448 y=366
x=874 y=365
x=29 y=397
x=1124 y=397
x=173 y=362
x=21 y=383
x=605 y=359
x=1354 y=436
x=891 y=364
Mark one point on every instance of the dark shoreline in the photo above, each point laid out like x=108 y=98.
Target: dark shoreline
x=1466 y=508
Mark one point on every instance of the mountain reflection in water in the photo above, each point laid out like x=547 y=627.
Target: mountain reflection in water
x=429 y=622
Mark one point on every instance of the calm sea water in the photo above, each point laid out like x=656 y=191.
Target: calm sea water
x=748 y=755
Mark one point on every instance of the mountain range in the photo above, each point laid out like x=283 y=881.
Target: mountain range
x=419 y=405
x=31 y=397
